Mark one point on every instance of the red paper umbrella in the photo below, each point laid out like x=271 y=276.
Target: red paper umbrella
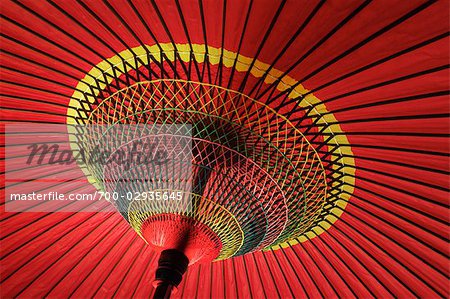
x=297 y=149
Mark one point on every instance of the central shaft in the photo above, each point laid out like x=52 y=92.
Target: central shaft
x=172 y=265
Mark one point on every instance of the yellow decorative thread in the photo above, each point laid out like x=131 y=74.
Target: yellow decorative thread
x=242 y=64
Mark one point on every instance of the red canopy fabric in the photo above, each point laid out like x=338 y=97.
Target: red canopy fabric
x=381 y=68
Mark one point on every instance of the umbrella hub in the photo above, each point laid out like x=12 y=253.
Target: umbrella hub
x=194 y=239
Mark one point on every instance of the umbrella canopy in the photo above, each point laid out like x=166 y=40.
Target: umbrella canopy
x=360 y=86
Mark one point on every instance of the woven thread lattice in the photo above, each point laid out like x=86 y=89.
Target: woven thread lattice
x=251 y=171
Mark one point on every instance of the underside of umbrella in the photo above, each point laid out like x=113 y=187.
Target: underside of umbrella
x=305 y=142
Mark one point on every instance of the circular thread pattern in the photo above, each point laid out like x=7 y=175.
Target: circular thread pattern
x=229 y=60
